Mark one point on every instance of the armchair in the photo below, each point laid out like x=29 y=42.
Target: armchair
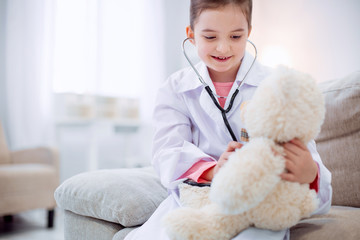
x=28 y=179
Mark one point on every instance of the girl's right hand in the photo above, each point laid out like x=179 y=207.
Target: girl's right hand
x=225 y=156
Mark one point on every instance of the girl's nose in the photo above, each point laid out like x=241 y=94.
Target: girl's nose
x=223 y=46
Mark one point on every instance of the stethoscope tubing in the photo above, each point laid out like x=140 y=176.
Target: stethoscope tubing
x=212 y=95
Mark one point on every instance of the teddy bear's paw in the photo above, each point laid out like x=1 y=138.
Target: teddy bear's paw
x=186 y=224
x=298 y=195
x=284 y=207
x=274 y=217
x=310 y=204
x=207 y=223
x=247 y=178
x=274 y=213
x=193 y=196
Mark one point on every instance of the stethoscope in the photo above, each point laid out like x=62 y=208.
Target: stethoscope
x=212 y=95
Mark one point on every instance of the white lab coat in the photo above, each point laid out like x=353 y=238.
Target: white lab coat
x=189 y=127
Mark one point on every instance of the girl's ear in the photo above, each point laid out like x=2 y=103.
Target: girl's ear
x=190 y=34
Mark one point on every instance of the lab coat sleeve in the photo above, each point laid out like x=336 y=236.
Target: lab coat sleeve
x=325 y=189
x=197 y=170
x=173 y=149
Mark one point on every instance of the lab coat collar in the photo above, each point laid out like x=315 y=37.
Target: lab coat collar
x=192 y=81
x=251 y=78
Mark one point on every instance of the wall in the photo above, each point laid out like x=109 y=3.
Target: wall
x=318 y=37
x=176 y=20
x=2 y=63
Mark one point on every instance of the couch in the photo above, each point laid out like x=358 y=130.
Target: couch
x=108 y=204
x=28 y=179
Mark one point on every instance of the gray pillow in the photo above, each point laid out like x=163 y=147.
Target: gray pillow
x=125 y=196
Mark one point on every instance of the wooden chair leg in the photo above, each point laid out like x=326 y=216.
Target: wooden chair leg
x=51 y=214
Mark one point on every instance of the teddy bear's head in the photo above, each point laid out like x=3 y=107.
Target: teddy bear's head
x=287 y=105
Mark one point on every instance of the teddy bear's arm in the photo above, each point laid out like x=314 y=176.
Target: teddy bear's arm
x=248 y=177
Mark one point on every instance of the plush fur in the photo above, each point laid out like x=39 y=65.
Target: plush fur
x=247 y=191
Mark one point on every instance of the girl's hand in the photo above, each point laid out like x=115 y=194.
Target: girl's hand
x=209 y=175
x=299 y=163
x=225 y=156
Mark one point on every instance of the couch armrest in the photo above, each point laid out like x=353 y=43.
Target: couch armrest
x=41 y=155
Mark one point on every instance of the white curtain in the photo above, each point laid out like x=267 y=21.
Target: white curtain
x=106 y=47
x=28 y=64
x=110 y=48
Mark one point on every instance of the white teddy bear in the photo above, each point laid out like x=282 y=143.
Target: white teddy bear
x=247 y=191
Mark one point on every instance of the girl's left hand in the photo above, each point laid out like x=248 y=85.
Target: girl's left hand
x=299 y=163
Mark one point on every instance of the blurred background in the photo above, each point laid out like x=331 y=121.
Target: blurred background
x=82 y=75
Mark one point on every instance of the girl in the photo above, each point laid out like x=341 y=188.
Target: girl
x=191 y=140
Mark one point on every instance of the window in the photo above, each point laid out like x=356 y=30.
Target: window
x=99 y=47
x=108 y=49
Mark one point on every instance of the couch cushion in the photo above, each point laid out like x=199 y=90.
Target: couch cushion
x=84 y=228
x=339 y=140
x=125 y=196
x=339 y=223
x=123 y=233
x=4 y=151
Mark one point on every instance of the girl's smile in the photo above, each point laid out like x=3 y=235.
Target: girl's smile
x=221 y=59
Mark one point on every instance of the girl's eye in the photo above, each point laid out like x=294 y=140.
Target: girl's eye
x=209 y=37
x=236 y=37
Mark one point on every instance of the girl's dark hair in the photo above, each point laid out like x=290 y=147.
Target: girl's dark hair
x=198 y=6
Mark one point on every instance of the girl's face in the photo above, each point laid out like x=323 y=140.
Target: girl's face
x=220 y=37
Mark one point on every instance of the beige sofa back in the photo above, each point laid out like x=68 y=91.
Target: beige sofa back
x=4 y=151
x=339 y=140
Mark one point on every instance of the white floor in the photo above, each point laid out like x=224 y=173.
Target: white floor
x=32 y=225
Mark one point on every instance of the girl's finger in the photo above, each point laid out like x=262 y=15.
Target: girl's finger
x=298 y=143
x=288 y=177
x=224 y=157
x=290 y=156
x=290 y=166
x=233 y=145
x=291 y=148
